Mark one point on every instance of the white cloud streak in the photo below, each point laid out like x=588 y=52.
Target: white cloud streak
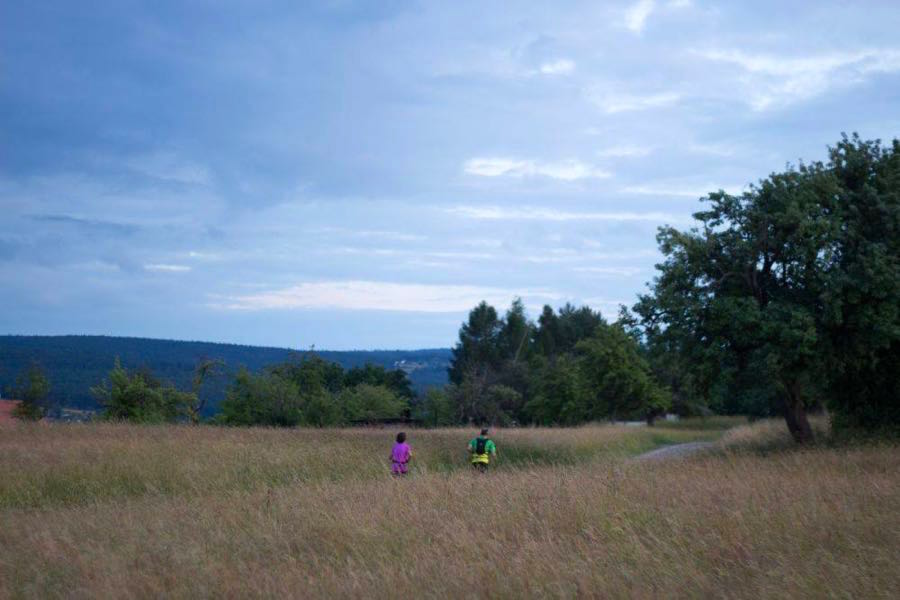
x=614 y=102
x=773 y=81
x=636 y=15
x=167 y=268
x=615 y=271
x=565 y=170
x=563 y=66
x=380 y=296
x=498 y=213
x=680 y=191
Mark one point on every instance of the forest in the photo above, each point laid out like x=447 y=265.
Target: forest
x=74 y=364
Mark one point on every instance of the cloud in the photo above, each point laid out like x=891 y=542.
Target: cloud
x=167 y=268
x=612 y=102
x=563 y=66
x=772 y=81
x=497 y=213
x=617 y=271
x=380 y=296
x=566 y=170
x=636 y=15
x=681 y=191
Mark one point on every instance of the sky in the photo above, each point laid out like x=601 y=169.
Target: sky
x=358 y=175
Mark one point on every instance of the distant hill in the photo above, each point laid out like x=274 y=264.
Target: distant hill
x=75 y=363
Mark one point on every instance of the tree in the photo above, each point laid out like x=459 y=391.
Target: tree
x=205 y=369
x=31 y=390
x=139 y=397
x=436 y=409
x=515 y=333
x=861 y=296
x=559 y=395
x=310 y=372
x=263 y=399
x=548 y=335
x=397 y=380
x=576 y=324
x=618 y=379
x=793 y=286
x=370 y=403
x=478 y=351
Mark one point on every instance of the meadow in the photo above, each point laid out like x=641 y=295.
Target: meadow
x=104 y=510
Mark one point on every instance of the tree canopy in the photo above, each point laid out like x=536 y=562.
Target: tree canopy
x=308 y=390
x=788 y=295
x=568 y=368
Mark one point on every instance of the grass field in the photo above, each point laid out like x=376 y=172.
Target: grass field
x=98 y=510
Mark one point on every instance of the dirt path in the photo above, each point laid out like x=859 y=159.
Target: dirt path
x=675 y=451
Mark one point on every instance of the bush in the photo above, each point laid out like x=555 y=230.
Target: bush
x=31 y=391
x=370 y=403
x=140 y=398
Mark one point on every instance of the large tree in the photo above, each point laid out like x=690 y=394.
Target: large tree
x=616 y=379
x=791 y=289
x=478 y=350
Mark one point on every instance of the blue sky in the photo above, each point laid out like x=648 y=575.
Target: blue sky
x=359 y=174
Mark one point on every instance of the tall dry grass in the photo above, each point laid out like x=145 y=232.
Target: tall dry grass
x=813 y=523
x=46 y=466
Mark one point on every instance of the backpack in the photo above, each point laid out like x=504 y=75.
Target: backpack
x=480 y=445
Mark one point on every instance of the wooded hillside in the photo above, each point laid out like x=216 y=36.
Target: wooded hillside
x=73 y=364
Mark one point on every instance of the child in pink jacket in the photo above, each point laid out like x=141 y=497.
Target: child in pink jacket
x=400 y=455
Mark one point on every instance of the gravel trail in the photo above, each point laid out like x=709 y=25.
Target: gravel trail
x=674 y=451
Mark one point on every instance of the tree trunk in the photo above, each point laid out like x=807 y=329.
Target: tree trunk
x=795 y=415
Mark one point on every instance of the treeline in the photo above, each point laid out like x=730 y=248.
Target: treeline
x=75 y=364
x=304 y=390
x=312 y=391
x=569 y=367
x=786 y=298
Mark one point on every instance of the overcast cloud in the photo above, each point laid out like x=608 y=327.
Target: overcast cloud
x=358 y=174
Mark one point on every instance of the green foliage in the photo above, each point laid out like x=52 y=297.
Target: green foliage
x=618 y=378
x=478 y=349
x=76 y=363
x=31 y=390
x=139 y=397
x=861 y=294
x=308 y=390
x=264 y=399
x=436 y=409
x=376 y=375
x=310 y=372
x=370 y=403
x=569 y=368
x=789 y=294
x=559 y=395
